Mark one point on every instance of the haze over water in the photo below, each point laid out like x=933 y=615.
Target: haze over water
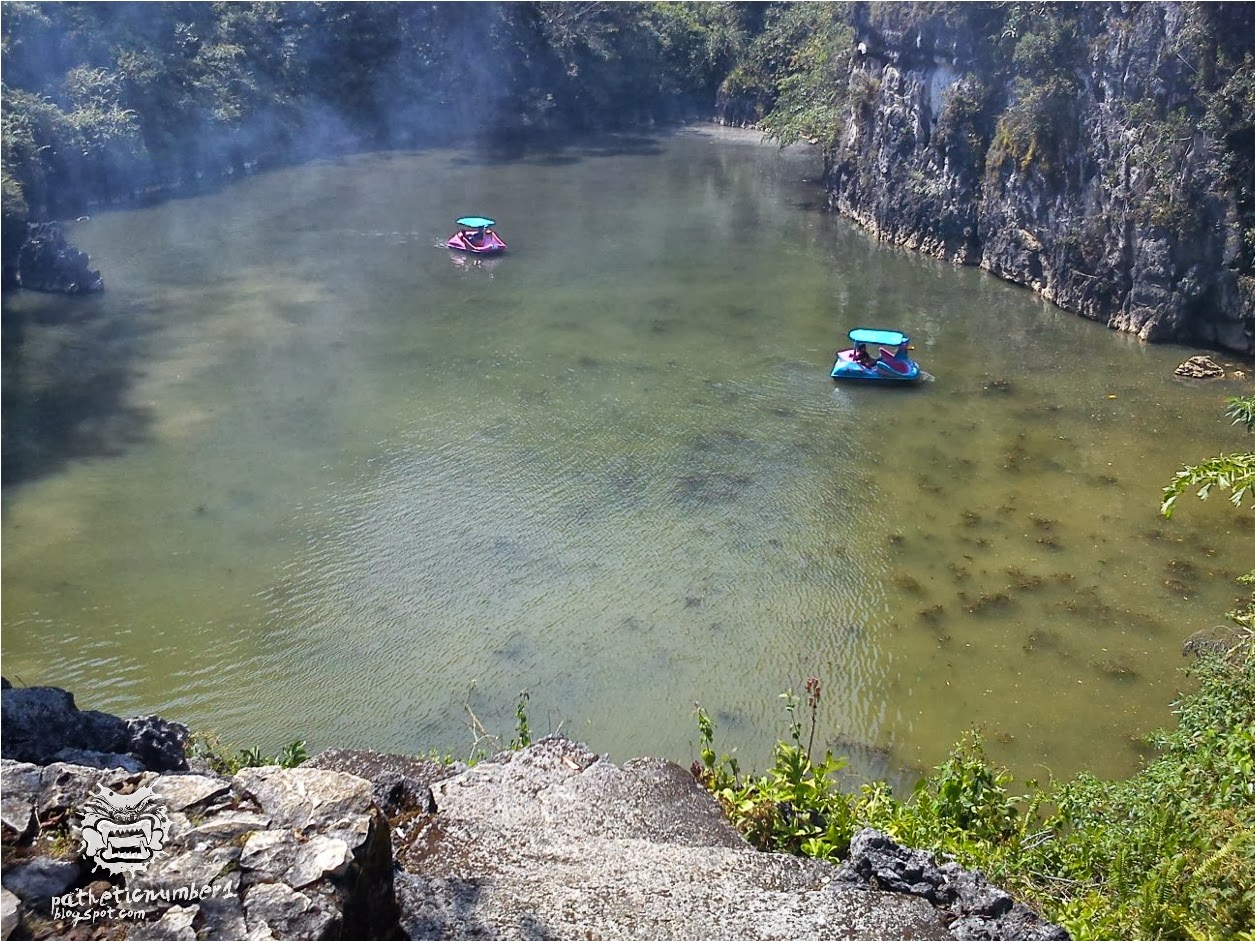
x=303 y=473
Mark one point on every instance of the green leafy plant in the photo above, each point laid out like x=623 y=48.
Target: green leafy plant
x=1037 y=128
x=487 y=743
x=809 y=46
x=1242 y=411
x=209 y=748
x=717 y=772
x=1166 y=853
x=522 y=731
x=292 y=755
x=795 y=806
x=1244 y=614
x=1233 y=472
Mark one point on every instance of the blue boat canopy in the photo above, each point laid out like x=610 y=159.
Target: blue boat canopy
x=476 y=222
x=879 y=337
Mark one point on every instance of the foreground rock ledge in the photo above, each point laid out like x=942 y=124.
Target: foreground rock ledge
x=276 y=853
x=550 y=842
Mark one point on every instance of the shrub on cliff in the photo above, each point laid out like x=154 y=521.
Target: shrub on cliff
x=1168 y=853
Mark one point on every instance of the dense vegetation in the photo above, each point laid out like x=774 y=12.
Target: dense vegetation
x=109 y=99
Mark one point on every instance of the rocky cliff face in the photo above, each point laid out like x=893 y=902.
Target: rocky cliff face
x=1083 y=174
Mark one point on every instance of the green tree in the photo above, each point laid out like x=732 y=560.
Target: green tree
x=1232 y=472
x=814 y=44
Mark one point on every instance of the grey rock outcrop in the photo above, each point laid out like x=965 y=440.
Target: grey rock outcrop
x=977 y=910
x=271 y=853
x=42 y=724
x=10 y=913
x=555 y=842
x=401 y=783
x=1200 y=367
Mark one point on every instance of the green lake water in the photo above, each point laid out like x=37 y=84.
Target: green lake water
x=300 y=472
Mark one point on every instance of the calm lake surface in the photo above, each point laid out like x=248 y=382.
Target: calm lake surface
x=303 y=473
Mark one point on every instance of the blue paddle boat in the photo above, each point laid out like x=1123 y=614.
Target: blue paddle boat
x=475 y=235
x=877 y=356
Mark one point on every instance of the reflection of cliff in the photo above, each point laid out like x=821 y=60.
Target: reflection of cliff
x=68 y=371
x=1103 y=172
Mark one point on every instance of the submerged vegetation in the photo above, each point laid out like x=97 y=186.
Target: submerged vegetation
x=1166 y=854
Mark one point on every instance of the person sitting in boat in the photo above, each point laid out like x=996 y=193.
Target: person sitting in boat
x=861 y=356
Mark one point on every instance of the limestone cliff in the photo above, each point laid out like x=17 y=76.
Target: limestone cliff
x=1095 y=164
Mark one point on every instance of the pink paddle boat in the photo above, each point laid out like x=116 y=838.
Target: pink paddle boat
x=475 y=235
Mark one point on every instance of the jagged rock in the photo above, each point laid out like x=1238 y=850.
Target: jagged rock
x=161 y=745
x=551 y=841
x=177 y=924
x=1200 y=367
x=336 y=803
x=1080 y=220
x=978 y=911
x=233 y=825
x=276 y=911
x=271 y=853
x=47 y=262
x=42 y=725
x=97 y=759
x=183 y=791
x=401 y=783
x=51 y=790
x=17 y=819
x=35 y=881
x=39 y=721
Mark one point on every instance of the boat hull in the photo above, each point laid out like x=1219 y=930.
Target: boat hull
x=886 y=370
x=493 y=244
